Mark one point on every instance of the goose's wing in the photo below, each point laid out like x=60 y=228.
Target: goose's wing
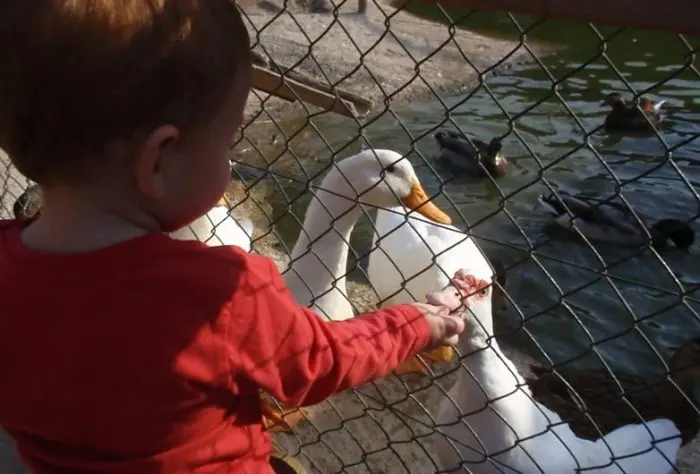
x=632 y=443
x=412 y=256
x=638 y=447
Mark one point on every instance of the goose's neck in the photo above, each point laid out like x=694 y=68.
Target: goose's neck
x=493 y=402
x=489 y=371
x=328 y=224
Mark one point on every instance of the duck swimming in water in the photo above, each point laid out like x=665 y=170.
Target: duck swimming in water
x=603 y=220
x=478 y=160
x=626 y=116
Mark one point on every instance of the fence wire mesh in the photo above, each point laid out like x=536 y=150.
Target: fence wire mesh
x=591 y=325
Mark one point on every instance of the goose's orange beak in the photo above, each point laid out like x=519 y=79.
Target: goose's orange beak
x=222 y=201
x=418 y=201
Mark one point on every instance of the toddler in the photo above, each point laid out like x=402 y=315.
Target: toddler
x=121 y=349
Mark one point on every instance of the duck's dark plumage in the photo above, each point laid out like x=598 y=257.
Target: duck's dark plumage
x=596 y=403
x=626 y=115
x=610 y=220
x=477 y=159
x=599 y=393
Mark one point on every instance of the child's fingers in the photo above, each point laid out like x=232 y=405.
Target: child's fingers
x=432 y=309
x=448 y=297
x=452 y=326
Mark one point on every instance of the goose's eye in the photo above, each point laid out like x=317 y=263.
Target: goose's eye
x=484 y=292
x=390 y=169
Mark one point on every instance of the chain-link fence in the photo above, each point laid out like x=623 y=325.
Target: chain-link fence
x=512 y=132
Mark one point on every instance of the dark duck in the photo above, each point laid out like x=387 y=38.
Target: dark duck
x=478 y=160
x=590 y=399
x=611 y=221
x=626 y=116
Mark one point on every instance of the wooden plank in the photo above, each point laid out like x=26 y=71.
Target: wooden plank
x=361 y=104
x=291 y=90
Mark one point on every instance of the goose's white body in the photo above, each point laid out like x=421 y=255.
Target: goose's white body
x=316 y=274
x=499 y=418
x=218 y=227
x=412 y=256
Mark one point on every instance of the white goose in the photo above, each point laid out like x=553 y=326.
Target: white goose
x=495 y=425
x=218 y=227
x=380 y=178
x=412 y=257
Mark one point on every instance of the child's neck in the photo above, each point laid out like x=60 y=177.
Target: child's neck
x=69 y=222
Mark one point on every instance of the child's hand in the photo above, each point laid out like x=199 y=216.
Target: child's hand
x=445 y=325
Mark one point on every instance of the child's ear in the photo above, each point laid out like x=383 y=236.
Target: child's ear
x=152 y=159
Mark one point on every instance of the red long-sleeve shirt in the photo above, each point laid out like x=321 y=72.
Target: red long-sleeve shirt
x=146 y=357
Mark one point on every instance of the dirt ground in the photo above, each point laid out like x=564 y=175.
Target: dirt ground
x=383 y=427
x=402 y=64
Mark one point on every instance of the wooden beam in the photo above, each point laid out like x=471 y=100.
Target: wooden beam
x=288 y=89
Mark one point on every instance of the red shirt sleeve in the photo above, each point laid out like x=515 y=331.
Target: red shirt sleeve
x=295 y=355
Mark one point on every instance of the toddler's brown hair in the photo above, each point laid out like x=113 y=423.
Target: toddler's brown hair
x=81 y=74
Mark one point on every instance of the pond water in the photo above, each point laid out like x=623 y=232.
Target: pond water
x=638 y=303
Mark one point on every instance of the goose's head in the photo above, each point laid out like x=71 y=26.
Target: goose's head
x=383 y=178
x=472 y=297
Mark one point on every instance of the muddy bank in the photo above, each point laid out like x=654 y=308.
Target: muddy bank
x=356 y=51
x=413 y=62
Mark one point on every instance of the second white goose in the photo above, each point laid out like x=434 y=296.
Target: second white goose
x=495 y=426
